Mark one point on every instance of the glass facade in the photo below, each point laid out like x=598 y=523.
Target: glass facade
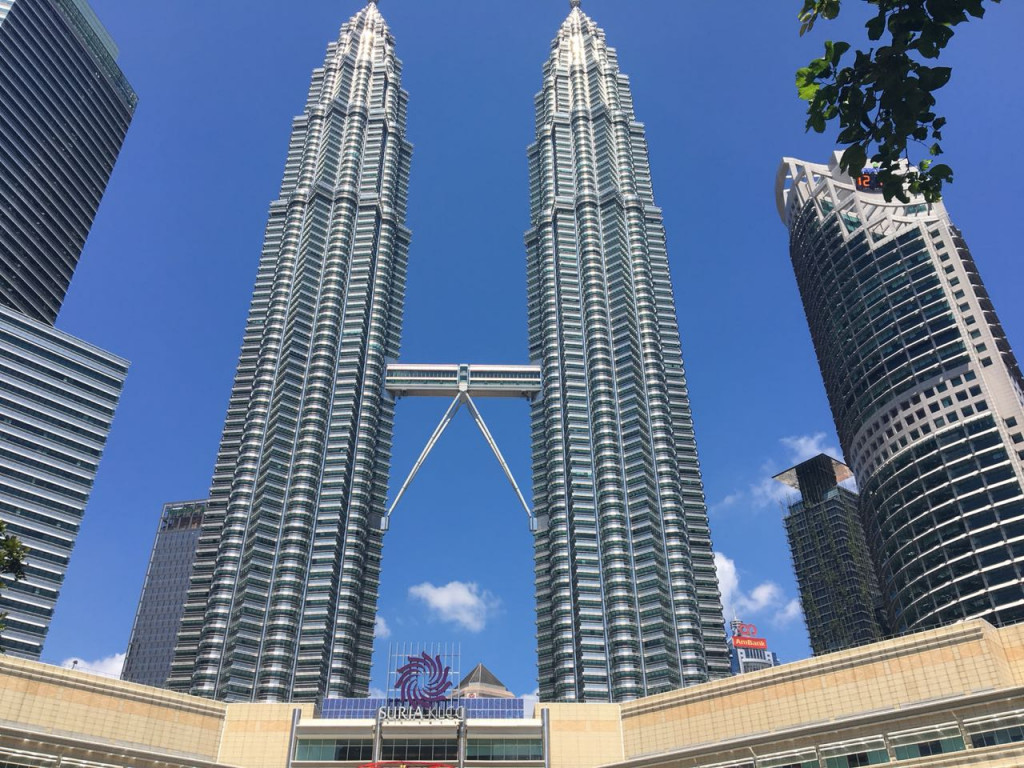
x=57 y=401
x=366 y=709
x=504 y=749
x=65 y=107
x=627 y=594
x=925 y=391
x=283 y=594
x=330 y=750
x=151 y=646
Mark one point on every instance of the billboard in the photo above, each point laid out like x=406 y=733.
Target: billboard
x=757 y=643
x=745 y=636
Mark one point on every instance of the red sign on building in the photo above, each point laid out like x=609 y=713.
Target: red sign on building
x=758 y=643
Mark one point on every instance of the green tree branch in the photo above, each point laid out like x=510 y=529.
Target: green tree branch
x=884 y=99
x=12 y=560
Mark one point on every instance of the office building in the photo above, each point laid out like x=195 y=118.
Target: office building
x=64 y=110
x=950 y=697
x=627 y=593
x=747 y=651
x=838 y=588
x=65 y=107
x=151 y=645
x=57 y=402
x=925 y=392
x=283 y=595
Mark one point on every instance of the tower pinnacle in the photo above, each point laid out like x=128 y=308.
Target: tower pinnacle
x=575 y=3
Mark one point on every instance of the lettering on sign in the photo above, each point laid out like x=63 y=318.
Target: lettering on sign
x=756 y=643
x=448 y=710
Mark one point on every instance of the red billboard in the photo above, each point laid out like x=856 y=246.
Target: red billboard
x=758 y=643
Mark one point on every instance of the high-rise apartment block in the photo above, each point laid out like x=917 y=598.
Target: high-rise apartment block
x=57 y=402
x=925 y=392
x=284 y=590
x=838 y=587
x=151 y=646
x=627 y=593
x=65 y=107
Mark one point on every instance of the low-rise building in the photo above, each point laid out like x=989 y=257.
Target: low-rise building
x=944 y=698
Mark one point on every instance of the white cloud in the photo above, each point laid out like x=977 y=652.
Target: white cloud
x=108 y=667
x=767 y=493
x=767 y=599
x=804 y=447
x=381 y=630
x=378 y=693
x=789 y=613
x=457 y=602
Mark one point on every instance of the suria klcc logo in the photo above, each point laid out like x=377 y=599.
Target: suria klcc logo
x=423 y=680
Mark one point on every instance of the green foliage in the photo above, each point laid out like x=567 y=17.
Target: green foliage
x=12 y=559
x=884 y=98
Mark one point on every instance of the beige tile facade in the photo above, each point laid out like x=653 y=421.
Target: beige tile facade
x=584 y=735
x=964 y=671
x=963 y=681
x=47 y=711
x=258 y=735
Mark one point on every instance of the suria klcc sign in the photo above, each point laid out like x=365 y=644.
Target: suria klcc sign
x=745 y=636
x=422 y=686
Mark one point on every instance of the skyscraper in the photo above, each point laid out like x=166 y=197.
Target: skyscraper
x=283 y=593
x=151 y=645
x=627 y=594
x=65 y=107
x=64 y=110
x=57 y=401
x=284 y=590
x=838 y=586
x=925 y=392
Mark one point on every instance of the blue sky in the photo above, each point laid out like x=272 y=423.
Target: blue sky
x=166 y=276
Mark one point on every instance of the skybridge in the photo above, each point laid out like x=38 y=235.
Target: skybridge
x=462 y=383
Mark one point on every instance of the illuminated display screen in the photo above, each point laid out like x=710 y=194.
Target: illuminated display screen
x=868 y=181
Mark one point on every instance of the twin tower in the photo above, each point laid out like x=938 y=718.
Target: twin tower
x=283 y=595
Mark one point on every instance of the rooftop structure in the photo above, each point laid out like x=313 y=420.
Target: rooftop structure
x=482 y=684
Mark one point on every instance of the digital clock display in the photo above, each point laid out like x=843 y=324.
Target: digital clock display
x=868 y=181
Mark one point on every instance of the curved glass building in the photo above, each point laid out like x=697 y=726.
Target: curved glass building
x=627 y=594
x=925 y=392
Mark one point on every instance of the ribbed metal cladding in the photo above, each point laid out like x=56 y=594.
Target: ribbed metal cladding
x=57 y=401
x=284 y=590
x=927 y=395
x=64 y=110
x=627 y=594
